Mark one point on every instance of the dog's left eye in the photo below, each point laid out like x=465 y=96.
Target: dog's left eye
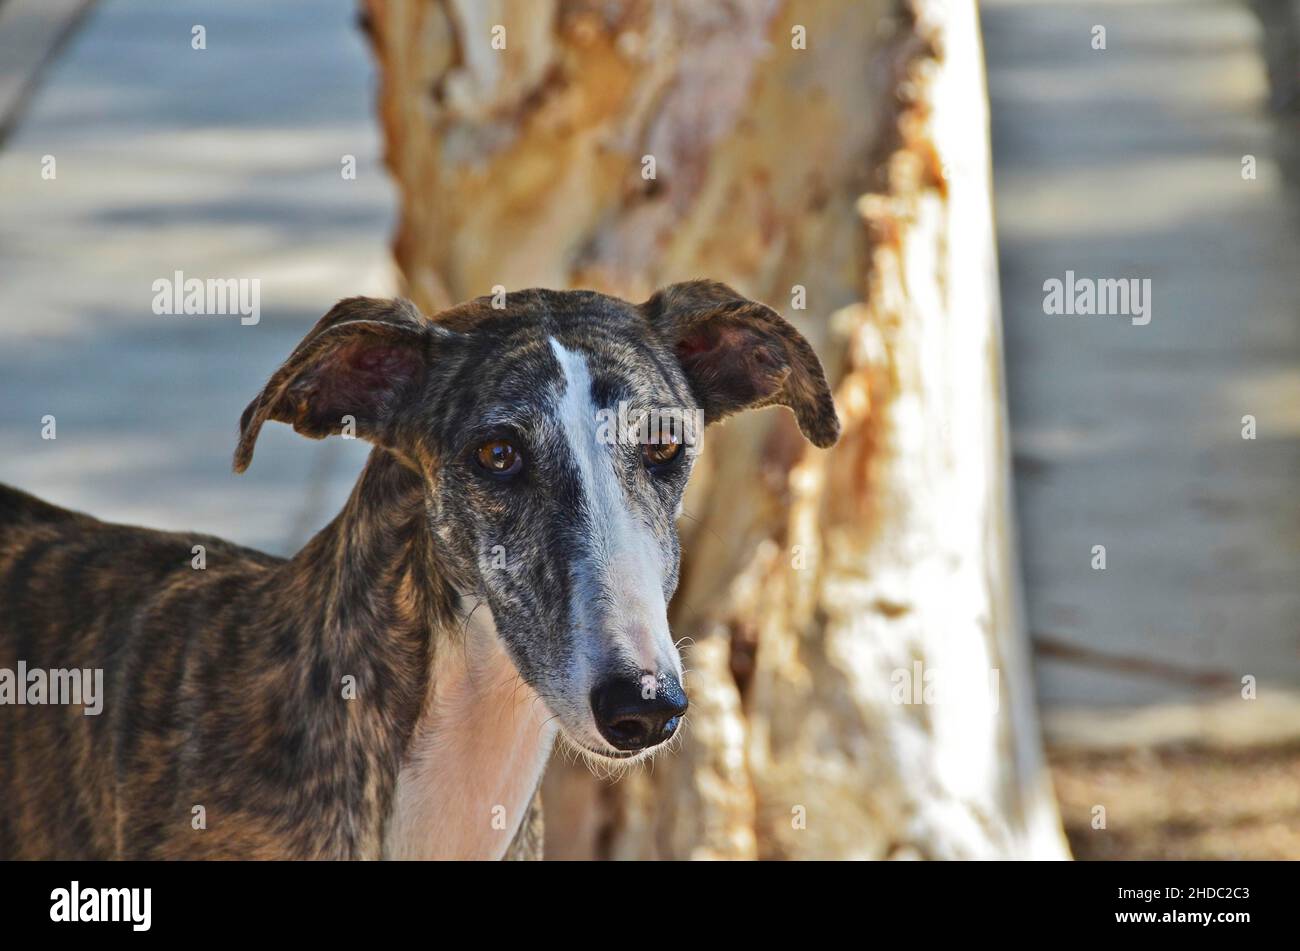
x=499 y=457
x=658 y=455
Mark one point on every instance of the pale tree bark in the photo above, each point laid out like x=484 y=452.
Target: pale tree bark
x=828 y=154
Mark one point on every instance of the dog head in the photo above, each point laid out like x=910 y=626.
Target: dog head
x=555 y=434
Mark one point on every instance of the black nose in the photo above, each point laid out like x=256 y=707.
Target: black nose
x=635 y=714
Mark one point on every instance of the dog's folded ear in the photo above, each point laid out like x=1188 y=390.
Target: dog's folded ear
x=739 y=354
x=352 y=369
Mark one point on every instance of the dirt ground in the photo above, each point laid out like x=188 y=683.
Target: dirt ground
x=1181 y=802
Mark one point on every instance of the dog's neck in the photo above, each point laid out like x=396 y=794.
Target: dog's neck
x=476 y=756
x=445 y=742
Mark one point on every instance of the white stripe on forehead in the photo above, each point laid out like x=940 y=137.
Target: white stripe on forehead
x=576 y=412
x=626 y=566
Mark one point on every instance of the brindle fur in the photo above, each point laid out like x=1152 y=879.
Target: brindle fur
x=223 y=686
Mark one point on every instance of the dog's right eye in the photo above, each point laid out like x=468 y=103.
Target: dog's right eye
x=500 y=458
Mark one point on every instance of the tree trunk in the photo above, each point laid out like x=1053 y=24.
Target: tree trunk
x=830 y=159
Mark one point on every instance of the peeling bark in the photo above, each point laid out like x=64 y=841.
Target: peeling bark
x=856 y=168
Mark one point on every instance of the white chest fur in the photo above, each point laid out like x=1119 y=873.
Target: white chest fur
x=476 y=757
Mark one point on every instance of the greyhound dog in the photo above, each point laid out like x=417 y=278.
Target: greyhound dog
x=499 y=575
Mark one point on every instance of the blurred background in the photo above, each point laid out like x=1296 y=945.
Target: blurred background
x=855 y=167
x=1128 y=161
